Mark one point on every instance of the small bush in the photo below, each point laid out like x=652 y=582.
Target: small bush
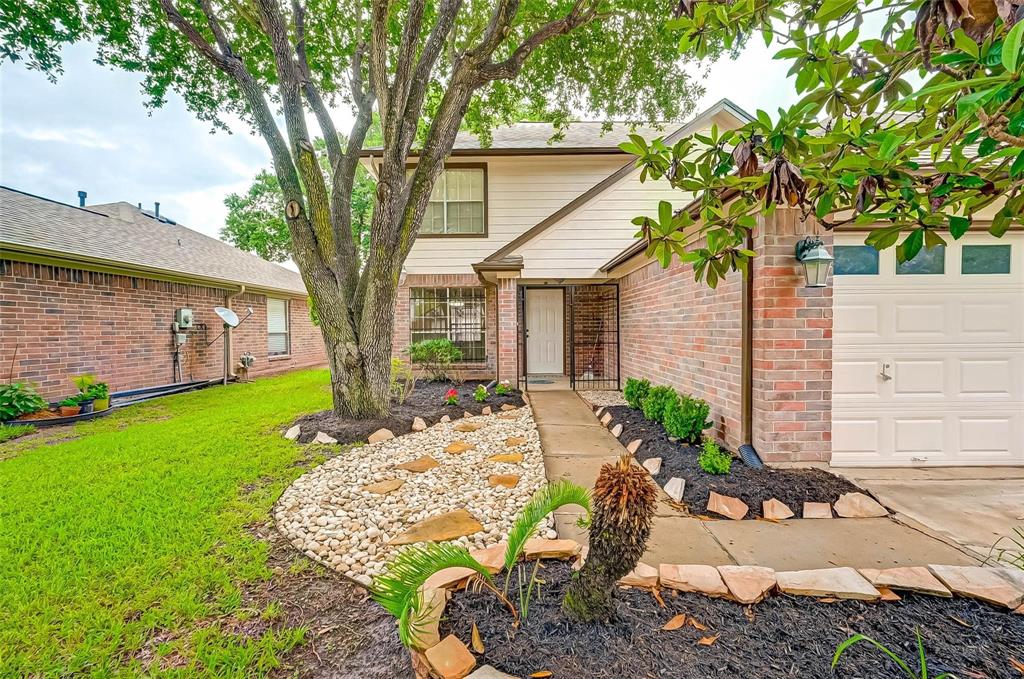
x=17 y=399
x=503 y=388
x=436 y=357
x=656 y=401
x=451 y=397
x=713 y=459
x=480 y=393
x=635 y=391
x=402 y=382
x=686 y=418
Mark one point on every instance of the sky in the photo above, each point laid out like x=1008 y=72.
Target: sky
x=90 y=131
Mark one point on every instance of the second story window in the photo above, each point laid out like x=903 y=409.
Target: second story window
x=457 y=204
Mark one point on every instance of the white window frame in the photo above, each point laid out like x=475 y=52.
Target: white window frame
x=287 y=329
x=441 y=185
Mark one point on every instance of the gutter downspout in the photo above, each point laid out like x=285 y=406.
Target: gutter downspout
x=228 y=373
x=747 y=451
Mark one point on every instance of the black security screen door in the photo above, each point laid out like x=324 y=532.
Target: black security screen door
x=594 y=336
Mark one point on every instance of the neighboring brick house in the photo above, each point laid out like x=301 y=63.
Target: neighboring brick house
x=527 y=260
x=95 y=289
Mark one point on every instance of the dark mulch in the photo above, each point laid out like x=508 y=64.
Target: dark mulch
x=426 y=401
x=753 y=486
x=782 y=637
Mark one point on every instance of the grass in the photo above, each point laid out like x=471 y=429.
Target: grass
x=9 y=432
x=131 y=528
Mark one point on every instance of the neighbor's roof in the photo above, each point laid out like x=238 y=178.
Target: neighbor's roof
x=121 y=236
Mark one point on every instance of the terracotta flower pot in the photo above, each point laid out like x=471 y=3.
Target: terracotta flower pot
x=69 y=411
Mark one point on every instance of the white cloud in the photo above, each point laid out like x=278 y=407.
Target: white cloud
x=80 y=136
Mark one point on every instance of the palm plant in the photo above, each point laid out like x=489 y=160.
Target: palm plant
x=904 y=666
x=624 y=500
x=398 y=590
x=544 y=501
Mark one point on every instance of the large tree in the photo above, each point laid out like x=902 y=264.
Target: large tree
x=422 y=66
x=910 y=119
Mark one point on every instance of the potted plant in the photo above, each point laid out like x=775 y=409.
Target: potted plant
x=69 y=407
x=85 y=382
x=100 y=393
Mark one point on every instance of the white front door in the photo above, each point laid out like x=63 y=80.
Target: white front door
x=545 y=328
x=928 y=364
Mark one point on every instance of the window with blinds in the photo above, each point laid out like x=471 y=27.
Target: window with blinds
x=277 y=327
x=450 y=313
x=457 y=204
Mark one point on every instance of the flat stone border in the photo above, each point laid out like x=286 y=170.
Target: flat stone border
x=349 y=512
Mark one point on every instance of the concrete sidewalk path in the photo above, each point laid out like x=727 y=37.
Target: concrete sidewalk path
x=576 y=445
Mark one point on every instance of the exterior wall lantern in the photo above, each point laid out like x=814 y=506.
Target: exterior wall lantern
x=816 y=259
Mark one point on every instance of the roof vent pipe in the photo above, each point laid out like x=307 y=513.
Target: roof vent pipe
x=157 y=209
x=81 y=198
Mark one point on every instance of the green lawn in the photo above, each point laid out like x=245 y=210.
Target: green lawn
x=134 y=525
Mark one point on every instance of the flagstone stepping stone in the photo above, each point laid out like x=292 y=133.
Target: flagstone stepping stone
x=748 y=584
x=508 y=416
x=508 y=406
x=841 y=583
x=511 y=458
x=450 y=658
x=675 y=487
x=418 y=424
x=492 y=558
x=452 y=578
x=324 y=438
x=886 y=594
x=504 y=480
x=979 y=582
x=381 y=435
x=692 y=578
x=466 y=413
x=817 y=510
x=446 y=418
x=641 y=576
x=384 y=487
x=634 y=446
x=606 y=419
x=458 y=447
x=599 y=412
x=488 y=672
x=513 y=441
x=425 y=627
x=776 y=510
x=858 y=506
x=419 y=465
x=731 y=507
x=653 y=465
x=540 y=548
x=617 y=430
x=468 y=426
x=486 y=410
x=293 y=433
x=437 y=528
x=1020 y=611
x=911 y=579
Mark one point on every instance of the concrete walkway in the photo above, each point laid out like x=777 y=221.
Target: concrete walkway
x=575 y=445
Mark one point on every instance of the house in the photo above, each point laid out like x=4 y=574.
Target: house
x=99 y=289
x=527 y=261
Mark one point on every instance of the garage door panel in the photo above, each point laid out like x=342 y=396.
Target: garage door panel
x=952 y=346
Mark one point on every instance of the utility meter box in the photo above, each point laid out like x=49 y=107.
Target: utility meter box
x=183 y=317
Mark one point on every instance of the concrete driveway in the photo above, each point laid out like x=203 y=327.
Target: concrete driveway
x=972 y=506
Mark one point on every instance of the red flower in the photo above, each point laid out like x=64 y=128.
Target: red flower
x=452 y=392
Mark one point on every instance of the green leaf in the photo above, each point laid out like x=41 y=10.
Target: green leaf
x=964 y=43
x=910 y=246
x=958 y=226
x=550 y=497
x=1017 y=169
x=1011 y=47
x=833 y=9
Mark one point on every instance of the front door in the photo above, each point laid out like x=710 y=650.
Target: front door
x=545 y=328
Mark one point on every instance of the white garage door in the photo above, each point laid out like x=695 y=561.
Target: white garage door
x=928 y=357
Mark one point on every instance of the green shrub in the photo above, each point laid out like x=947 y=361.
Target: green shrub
x=686 y=418
x=17 y=399
x=480 y=393
x=435 y=356
x=713 y=459
x=503 y=388
x=656 y=401
x=635 y=391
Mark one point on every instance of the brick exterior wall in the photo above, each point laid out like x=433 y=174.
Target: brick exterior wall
x=684 y=334
x=477 y=370
x=792 y=347
x=509 y=339
x=61 y=322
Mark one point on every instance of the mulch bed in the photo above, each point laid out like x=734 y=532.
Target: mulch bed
x=426 y=401
x=781 y=637
x=753 y=486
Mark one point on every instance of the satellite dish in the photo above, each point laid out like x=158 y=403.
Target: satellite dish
x=229 y=317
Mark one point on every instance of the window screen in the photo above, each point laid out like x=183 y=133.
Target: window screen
x=277 y=327
x=456 y=203
x=457 y=314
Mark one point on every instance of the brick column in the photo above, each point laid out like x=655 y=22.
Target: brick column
x=508 y=330
x=792 y=347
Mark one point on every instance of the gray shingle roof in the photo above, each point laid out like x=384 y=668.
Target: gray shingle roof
x=579 y=135
x=123 y=235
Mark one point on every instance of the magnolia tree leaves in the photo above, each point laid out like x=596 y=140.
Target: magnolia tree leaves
x=911 y=121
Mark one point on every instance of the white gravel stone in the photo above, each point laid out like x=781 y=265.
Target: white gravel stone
x=603 y=398
x=326 y=514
